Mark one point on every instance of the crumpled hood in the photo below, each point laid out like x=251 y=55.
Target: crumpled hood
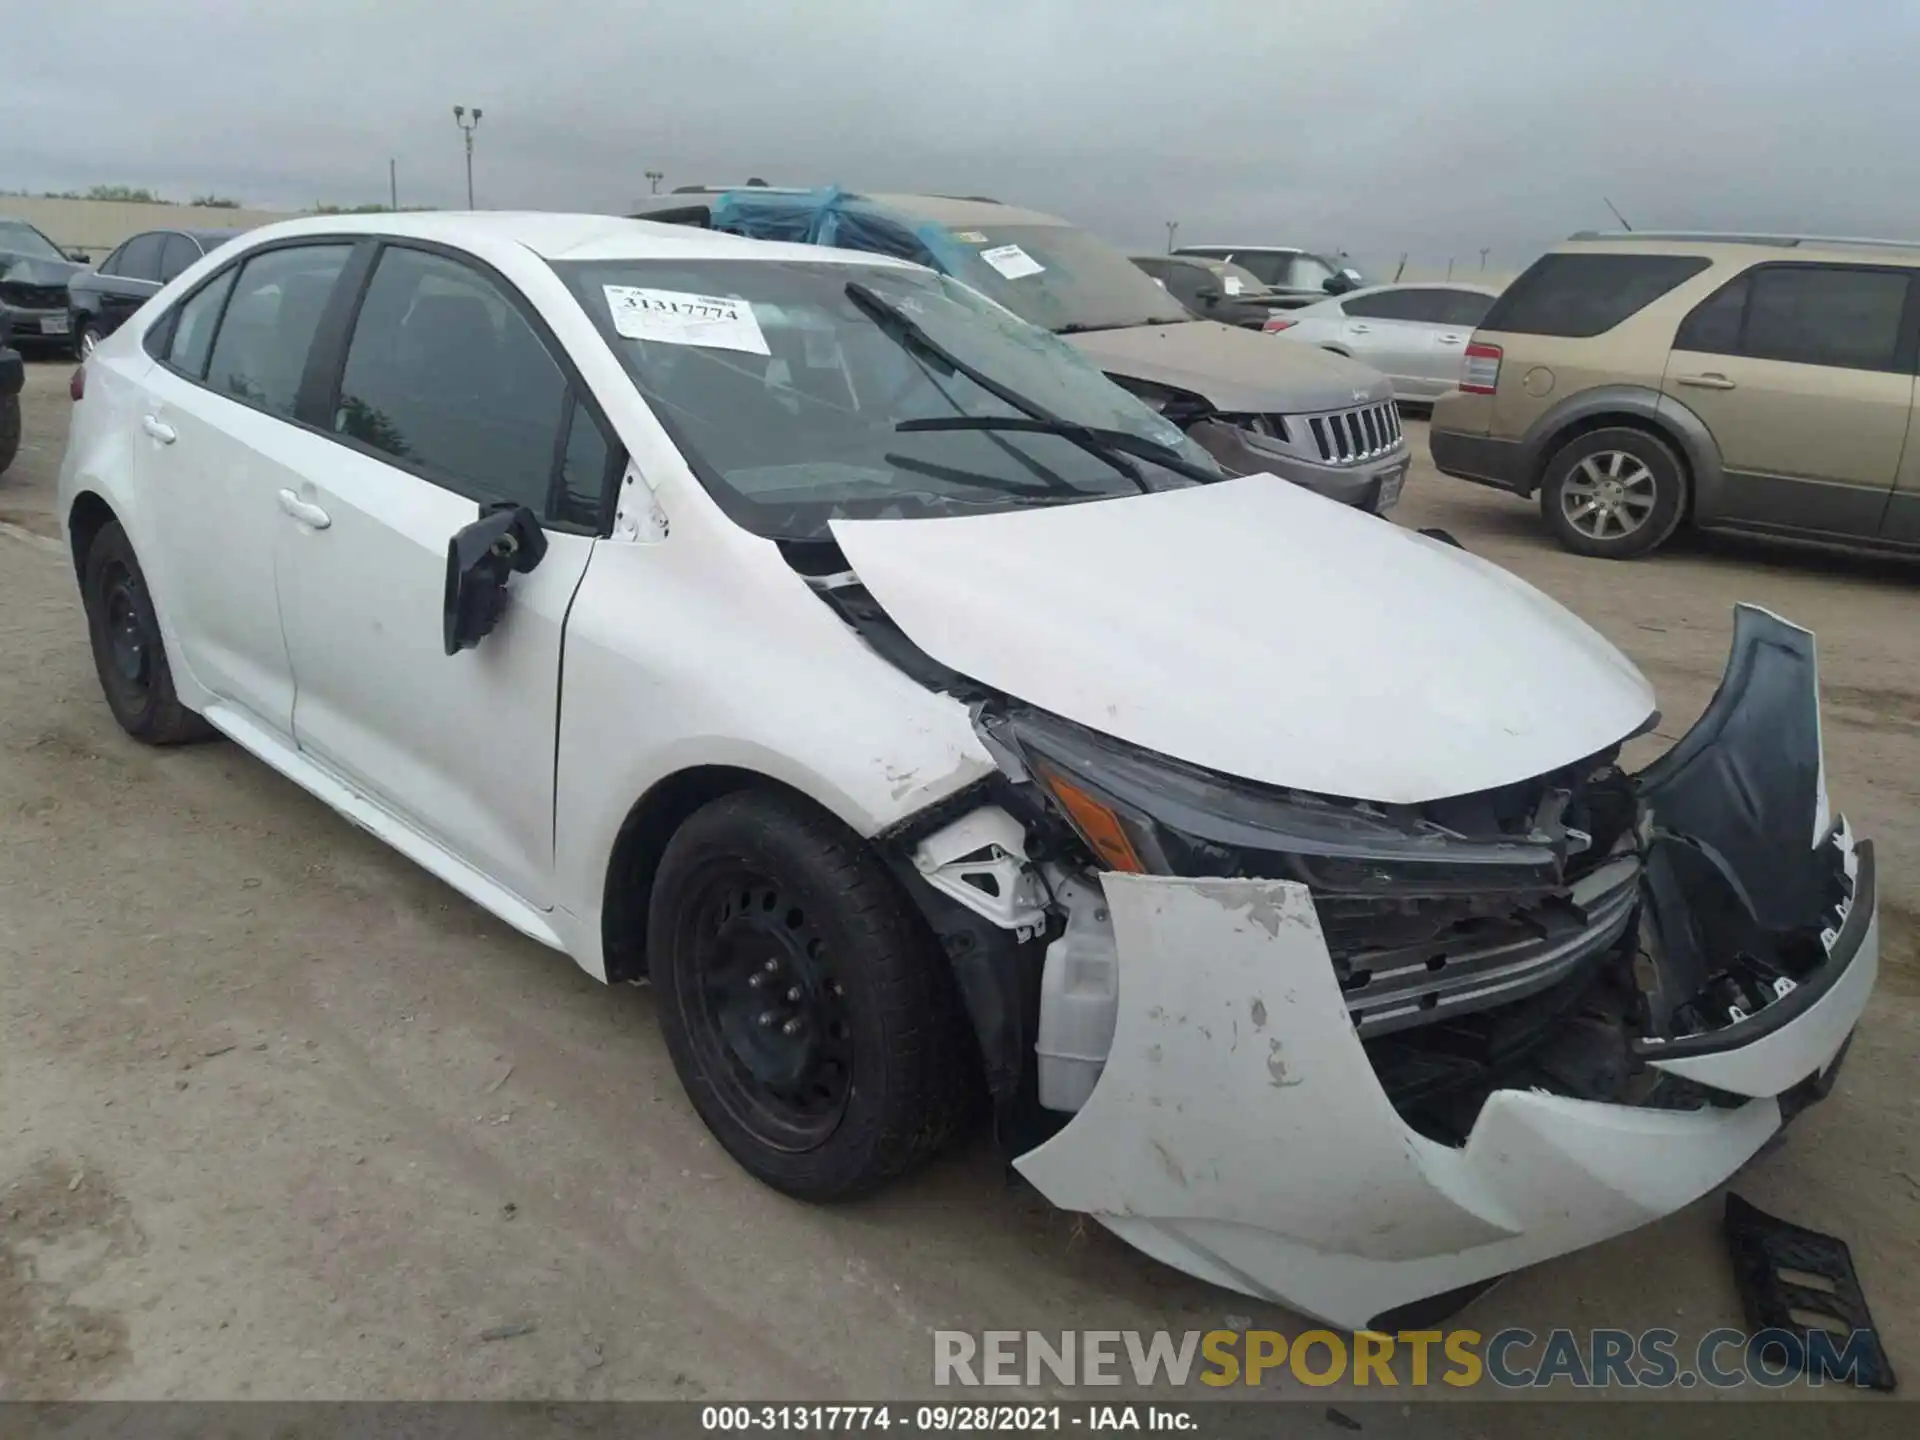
x=1234 y=369
x=19 y=269
x=1254 y=628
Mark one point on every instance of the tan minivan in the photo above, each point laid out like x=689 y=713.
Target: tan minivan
x=1642 y=381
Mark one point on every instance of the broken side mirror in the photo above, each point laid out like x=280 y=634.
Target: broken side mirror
x=505 y=540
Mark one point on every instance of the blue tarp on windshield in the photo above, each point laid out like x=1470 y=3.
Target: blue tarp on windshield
x=832 y=217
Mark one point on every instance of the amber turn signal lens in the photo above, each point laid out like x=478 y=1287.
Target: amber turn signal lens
x=1097 y=824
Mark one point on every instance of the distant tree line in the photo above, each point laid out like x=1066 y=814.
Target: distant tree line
x=139 y=195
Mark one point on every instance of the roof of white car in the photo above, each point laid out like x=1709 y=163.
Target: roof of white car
x=563 y=237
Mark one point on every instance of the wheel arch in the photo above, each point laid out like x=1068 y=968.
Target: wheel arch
x=89 y=514
x=1631 y=407
x=641 y=840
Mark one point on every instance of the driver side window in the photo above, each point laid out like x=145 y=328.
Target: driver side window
x=446 y=375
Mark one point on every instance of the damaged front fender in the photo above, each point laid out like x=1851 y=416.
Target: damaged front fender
x=1239 y=1131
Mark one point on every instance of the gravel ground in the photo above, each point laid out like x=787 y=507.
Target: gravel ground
x=280 y=1115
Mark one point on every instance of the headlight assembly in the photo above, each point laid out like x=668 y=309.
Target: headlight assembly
x=1142 y=812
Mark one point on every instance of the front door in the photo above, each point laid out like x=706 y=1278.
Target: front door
x=217 y=448
x=449 y=399
x=1804 y=375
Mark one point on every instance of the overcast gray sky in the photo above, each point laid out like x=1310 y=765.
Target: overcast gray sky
x=1381 y=126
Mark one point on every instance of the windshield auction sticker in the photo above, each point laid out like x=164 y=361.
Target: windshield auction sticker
x=677 y=317
x=1011 y=261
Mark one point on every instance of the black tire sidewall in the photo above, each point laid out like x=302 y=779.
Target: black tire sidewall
x=1670 y=495
x=140 y=720
x=878 y=945
x=10 y=427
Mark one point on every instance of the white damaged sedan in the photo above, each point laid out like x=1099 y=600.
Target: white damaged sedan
x=931 y=723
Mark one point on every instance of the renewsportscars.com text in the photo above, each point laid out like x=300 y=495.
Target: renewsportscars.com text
x=1513 y=1359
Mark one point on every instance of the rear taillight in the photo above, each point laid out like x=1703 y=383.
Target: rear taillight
x=1275 y=325
x=77 y=386
x=1480 y=374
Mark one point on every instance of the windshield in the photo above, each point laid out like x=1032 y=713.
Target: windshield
x=785 y=395
x=23 y=239
x=1061 y=279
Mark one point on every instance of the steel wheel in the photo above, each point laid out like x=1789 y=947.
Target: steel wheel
x=129 y=644
x=1609 y=494
x=767 y=1012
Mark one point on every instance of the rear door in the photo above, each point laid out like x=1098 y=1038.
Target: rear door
x=1395 y=332
x=450 y=395
x=1804 y=374
x=219 y=446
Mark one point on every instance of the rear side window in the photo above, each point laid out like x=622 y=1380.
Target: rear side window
x=261 y=350
x=140 y=257
x=176 y=255
x=1465 y=308
x=1424 y=305
x=193 y=324
x=445 y=373
x=1844 y=317
x=1579 y=295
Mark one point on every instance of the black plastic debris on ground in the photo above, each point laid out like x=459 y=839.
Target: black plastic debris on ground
x=1804 y=1305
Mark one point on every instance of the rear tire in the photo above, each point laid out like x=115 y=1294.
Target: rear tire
x=1614 y=494
x=128 y=651
x=810 y=1014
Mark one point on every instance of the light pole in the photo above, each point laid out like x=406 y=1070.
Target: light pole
x=654 y=177
x=1173 y=228
x=467 y=127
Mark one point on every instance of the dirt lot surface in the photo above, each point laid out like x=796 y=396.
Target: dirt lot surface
x=280 y=1115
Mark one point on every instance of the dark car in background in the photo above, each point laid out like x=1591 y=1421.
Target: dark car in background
x=13 y=376
x=102 y=298
x=1213 y=289
x=33 y=286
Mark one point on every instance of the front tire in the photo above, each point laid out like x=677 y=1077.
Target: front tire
x=809 y=1013
x=85 y=340
x=1615 y=494
x=128 y=651
x=9 y=430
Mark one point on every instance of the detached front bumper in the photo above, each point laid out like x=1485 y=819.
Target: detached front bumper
x=1239 y=1132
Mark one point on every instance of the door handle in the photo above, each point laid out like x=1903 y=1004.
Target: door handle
x=158 y=429
x=1452 y=339
x=1361 y=329
x=1712 y=380
x=305 y=511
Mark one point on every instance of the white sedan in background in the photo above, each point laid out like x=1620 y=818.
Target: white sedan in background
x=931 y=722
x=1415 y=335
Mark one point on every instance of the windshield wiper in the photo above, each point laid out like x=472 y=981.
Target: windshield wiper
x=908 y=332
x=1123 y=441
x=1078 y=329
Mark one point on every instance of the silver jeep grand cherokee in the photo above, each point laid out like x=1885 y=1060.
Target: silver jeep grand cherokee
x=1320 y=420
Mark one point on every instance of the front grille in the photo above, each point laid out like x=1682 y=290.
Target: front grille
x=1441 y=957
x=1352 y=437
x=34 y=297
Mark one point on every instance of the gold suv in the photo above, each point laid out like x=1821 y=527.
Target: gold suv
x=1643 y=381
